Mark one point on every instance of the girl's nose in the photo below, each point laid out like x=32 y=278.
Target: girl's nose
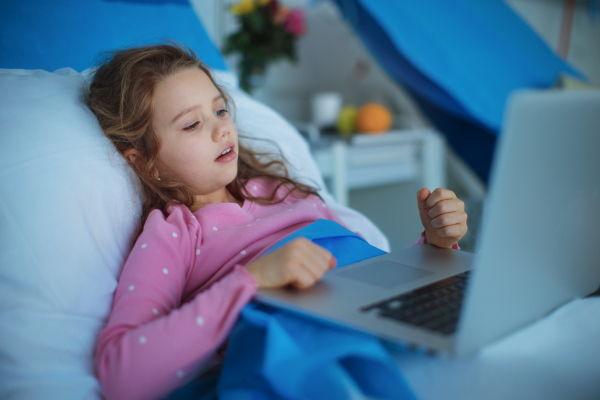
x=220 y=129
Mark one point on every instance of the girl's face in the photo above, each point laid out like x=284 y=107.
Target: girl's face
x=194 y=130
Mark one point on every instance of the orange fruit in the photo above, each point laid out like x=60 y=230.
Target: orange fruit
x=373 y=118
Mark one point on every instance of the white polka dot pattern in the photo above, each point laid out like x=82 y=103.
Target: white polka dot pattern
x=228 y=235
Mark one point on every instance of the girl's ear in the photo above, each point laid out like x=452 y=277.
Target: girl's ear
x=132 y=155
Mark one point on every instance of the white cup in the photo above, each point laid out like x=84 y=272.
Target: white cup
x=325 y=108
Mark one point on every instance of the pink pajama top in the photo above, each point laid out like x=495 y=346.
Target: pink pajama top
x=183 y=286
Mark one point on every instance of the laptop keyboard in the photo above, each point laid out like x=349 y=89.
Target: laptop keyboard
x=435 y=307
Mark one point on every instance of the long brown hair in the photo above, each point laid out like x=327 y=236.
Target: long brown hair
x=120 y=95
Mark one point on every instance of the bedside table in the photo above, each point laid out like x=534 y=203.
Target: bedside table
x=368 y=160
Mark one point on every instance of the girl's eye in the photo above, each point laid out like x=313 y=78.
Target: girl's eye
x=221 y=112
x=191 y=127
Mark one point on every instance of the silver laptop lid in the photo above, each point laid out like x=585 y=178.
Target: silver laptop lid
x=538 y=246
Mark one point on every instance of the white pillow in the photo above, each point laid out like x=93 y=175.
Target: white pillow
x=69 y=206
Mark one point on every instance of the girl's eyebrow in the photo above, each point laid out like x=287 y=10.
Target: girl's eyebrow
x=187 y=110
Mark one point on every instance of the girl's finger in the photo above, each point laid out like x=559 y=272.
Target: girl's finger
x=321 y=256
x=332 y=262
x=317 y=264
x=451 y=231
x=422 y=196
x=313 y=259
x=448 y=219
x=438 y=195
x=446 y=206
x=302 y=279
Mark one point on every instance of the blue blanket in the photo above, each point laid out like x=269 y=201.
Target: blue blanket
x=273 y=354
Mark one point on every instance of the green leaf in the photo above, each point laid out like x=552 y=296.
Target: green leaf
x=255 y=22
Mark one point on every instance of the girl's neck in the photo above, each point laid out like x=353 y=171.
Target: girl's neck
x=223 y=196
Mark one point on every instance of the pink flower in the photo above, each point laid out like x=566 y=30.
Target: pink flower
x=294 y=23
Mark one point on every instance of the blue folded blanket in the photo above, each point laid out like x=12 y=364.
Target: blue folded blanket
x=273 y=354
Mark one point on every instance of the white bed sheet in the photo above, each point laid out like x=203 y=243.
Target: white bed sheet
x=555 y=358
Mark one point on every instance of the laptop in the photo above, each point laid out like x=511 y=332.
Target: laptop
x=537 y=246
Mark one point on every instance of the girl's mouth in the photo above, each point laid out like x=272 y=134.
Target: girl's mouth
x=227 y=155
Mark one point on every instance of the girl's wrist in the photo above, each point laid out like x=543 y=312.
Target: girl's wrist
x=254 y=270
x=424 y=234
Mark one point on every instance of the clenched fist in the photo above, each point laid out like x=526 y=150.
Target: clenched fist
x=442 y=215
x=299 y=263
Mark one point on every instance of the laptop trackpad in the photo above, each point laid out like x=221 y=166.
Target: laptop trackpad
x=385 y=273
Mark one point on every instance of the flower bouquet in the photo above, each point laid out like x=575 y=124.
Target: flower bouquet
x=267 y=33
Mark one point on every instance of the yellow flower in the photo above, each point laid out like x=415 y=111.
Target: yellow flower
x=243 y=7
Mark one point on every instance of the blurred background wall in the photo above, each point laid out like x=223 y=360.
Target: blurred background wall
x=333 y=58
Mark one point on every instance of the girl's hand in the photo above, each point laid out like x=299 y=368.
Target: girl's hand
x=443 y=216
x=299 y=263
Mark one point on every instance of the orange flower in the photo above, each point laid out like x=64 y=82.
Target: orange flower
x=281 y=15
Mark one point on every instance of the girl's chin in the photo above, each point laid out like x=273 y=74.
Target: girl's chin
x=231 y=175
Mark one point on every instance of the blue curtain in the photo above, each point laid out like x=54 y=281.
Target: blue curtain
x=42 y=34
x=459 y=60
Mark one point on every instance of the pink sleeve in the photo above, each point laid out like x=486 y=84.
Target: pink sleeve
x=421 y=240
x=152 y=343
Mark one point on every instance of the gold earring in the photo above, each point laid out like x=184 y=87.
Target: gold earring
x=158 y=178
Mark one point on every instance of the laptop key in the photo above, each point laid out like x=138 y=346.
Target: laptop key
x=435 y=307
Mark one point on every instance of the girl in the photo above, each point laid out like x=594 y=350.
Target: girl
x=211 y=209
